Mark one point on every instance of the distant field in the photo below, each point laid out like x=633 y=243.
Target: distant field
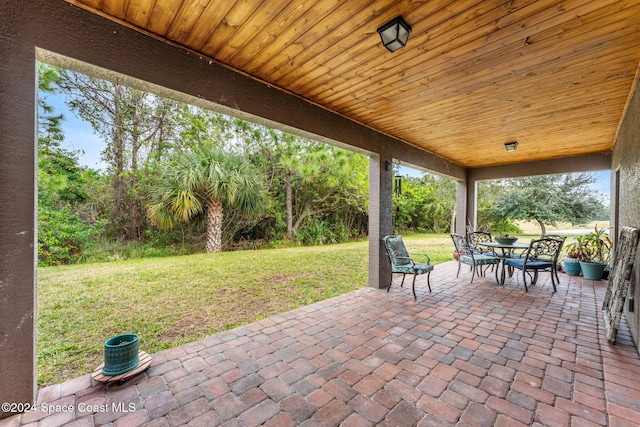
x=534 y=228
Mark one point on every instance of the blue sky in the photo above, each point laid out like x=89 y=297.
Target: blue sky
x=79 y=136
x=603 y=182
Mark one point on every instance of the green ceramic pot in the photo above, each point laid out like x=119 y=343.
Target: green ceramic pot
x=592 y=270
x=571 y=266
x=120 y=354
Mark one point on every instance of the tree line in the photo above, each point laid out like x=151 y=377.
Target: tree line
x=180 y=179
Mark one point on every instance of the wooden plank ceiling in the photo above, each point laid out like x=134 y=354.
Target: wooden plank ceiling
x=553 y=75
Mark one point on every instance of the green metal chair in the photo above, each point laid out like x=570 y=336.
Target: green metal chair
x=403 y=263
x=466 y=255
x=475 y=238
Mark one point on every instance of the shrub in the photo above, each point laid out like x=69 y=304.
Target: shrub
x=62 y=236
x=317 y=232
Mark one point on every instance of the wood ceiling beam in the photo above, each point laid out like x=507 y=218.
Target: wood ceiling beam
x=586 y=163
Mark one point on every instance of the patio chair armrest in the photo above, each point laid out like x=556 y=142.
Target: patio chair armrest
x=422 y=255
x=405 y=257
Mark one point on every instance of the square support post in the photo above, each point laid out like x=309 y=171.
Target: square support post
x=380 y=218
x=461 y=208
x=18 y=241
x=471 y=217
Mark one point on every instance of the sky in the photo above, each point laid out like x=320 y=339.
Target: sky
x=79 y=136
x=603 y=182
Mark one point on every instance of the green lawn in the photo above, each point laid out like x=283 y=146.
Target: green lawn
x=172 y=301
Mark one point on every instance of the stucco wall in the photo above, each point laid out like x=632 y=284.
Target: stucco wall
x=626 y=166
x=17 y=215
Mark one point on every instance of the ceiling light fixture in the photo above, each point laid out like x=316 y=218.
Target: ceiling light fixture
x=394 y=34
x=511 y=146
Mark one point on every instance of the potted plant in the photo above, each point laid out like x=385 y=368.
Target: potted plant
x=595 y=257
x=574 y=253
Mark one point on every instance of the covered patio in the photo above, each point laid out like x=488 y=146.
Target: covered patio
x=476 y=355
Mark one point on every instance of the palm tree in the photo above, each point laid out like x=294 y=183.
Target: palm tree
x=203 y=181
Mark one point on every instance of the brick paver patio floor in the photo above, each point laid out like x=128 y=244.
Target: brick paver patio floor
x=473 y=355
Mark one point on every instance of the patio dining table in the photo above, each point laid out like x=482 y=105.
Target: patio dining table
x=507 y=250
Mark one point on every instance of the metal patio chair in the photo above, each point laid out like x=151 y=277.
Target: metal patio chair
x=475 y=239
x=466 y=255
x=557 y=237
x=542 y=255
x=404 y=263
